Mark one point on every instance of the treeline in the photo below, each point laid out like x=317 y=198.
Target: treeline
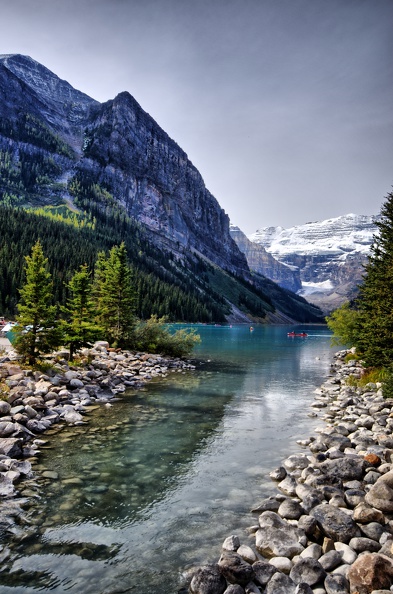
x=367 y=322
x=163 y=286
x=99 y=307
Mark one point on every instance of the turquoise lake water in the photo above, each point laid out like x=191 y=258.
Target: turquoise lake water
x=153 y=485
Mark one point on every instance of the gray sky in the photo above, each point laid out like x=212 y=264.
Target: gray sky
x=284 y=106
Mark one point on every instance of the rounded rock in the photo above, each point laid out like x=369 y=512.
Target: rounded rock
x=290 y=509
x=208 y=580
x=336 y=584
x=308 y=571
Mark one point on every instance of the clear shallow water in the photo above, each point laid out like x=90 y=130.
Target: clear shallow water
x=154 y=484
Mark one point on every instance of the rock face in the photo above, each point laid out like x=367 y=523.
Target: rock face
x=113 y=162
x=118 y=146
x=260 y=260
x=329 y=255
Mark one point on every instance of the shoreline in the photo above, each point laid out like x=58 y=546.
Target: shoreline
x=34 y=402
x=329 y=529
x=294 y=540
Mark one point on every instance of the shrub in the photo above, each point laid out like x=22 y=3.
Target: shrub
x=154 y=336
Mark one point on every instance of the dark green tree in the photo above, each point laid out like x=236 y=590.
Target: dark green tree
x=375 y=302
x=115 y=297
x=36 y=330
x=80 y=329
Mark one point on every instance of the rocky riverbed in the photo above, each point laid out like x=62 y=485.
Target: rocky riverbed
x=32 y=402
x=329 y=528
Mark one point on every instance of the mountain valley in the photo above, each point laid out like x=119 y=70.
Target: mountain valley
x=113 y=174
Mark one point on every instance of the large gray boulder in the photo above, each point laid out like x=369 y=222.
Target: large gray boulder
x=208 y=580
x=6 y=486
x=335 y=523
x=234 y=569
x=263 y=572
x=11 y=447
x=347 y=468
x=380 y=494
x=276 y=538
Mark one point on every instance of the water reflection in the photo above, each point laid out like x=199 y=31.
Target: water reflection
x=157 y=481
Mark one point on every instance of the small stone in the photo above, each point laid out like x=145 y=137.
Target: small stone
x=282 y=564
x=373 y=459
x=314 y=551
x=269 y=504
x=288 y=486
x=380 y=494
x=354 y=496
x=290 y=509
x=360 y=544
x=263 y=572
x=232 y=543
x=364 y=514
x=50 y=474
x=247 y=553
x=336 y=584
x=373 y=530
x=280 y=584
x=331 y=560
x=308 y=571
x=348 y=554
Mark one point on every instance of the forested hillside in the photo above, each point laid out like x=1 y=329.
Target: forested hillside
x=83 y=176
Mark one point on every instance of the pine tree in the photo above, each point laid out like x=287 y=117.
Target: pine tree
x=36 y=330
x=80 y=329
x=115 y=296
x=375 y=302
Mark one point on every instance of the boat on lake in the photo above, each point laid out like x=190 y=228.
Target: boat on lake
x=301 y=334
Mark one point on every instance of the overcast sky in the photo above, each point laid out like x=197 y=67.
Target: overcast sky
x=284 y=106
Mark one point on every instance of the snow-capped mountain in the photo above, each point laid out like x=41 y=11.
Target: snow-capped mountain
x=264 y=263
x=329 y=254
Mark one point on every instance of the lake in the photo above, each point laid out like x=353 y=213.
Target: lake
x=155 y=483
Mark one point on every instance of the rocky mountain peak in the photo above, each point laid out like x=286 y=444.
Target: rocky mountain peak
x=43 y=81
x=329 y=255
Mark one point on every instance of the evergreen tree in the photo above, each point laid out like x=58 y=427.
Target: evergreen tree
x=36 y=331
x=115 y=296
x=375 y=302
x=80 y=330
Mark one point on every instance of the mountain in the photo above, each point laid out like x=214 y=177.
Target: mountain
x=111 y=165
x=261 y=261
x=329 y=255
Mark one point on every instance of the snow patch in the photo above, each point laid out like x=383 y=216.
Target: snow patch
x=337 y=237
x=309 y=288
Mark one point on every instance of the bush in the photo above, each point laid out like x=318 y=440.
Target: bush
x=387 y=384
x=154 y=336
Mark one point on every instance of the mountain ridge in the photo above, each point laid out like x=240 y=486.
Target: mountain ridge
x=60 y=146
x=330 y=255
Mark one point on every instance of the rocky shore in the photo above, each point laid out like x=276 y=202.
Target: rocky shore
x=32 y=402
x=329 y=529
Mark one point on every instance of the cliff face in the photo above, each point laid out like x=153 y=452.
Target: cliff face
x=329 y=255
x=120 y=147
x=264 y=263
x=156 y=182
